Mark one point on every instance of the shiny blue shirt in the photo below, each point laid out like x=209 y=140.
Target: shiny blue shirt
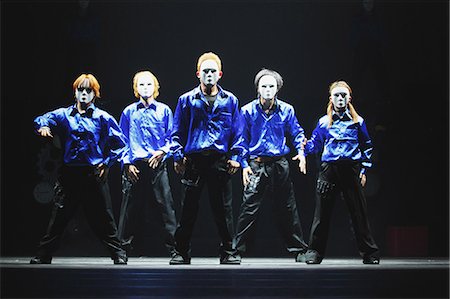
x=268 y=134
x=199 y=127
x=344 y=140
x=87 y=139
x=147 y=129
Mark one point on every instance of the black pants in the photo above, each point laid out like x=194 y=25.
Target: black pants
x=212 y=171
x=270 y=178
x=80 y=186
x=341 y=177
x=152 y=183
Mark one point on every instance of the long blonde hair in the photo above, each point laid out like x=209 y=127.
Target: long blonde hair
x=352 y=110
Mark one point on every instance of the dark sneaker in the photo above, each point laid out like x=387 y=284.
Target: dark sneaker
x=231 y=259
x=41 y=260
x=313 y=257
x=371 y=260
x=120 y=260
x=178 y=259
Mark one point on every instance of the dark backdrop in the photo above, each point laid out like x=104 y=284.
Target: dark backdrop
x=395 y=57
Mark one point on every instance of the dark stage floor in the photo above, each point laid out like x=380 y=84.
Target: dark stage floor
x=80 y=277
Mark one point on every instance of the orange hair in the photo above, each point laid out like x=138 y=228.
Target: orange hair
x=209 y=56
x=155 y=82
x=353 y=112
x=93 y=83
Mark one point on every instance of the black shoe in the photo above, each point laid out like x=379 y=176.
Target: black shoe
x=120 y=260
x=41 y=260
x=313 y=257
x=371 y=260
x=231 y=259
x=178 y=259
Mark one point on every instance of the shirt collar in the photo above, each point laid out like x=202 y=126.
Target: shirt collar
x=198 y=92
x=345 y=116
x=88 y=113
x=141 y=105
x=274 y=106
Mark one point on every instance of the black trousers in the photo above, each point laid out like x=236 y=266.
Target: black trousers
x=270 y=178
x=152 y=184
x=334 y=178
x=210 y=170
x=80 y=186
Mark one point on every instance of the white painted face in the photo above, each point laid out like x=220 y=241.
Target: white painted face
x=209 y=73
x=145 y=85
x=84 y=93
x=267 y=87
x=340 y=96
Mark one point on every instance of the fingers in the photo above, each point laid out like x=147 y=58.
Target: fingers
x=245 y=178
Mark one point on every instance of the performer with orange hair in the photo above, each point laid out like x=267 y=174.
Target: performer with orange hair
x=91 y=142
x=147 y=125
x=342 y=138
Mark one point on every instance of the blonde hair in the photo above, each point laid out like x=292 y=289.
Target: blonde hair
x=93 y=83
x=352 y=110
x=155 y=82
x=209 y=56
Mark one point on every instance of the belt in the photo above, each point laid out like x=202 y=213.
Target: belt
x=265 y=159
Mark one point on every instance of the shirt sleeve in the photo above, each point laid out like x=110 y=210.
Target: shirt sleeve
x=296 y=132
x=179 y=132
x=50 y=119
x=124 y=124
x=315 y=144
x=237 y=148
x=115 y=142
x=169 y=127
x=365 y=144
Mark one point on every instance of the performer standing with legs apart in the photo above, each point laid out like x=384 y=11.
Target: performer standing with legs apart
x=269 y=123
x=147 y=125
x=206 y=135
x=341 y=137
x=91 y=141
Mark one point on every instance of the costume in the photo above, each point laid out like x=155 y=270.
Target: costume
x=147 y=129
x=206 y=134
x=89 y=139
x=346 y=150
x=265 y=138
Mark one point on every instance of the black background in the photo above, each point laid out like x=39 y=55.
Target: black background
x=395 y=57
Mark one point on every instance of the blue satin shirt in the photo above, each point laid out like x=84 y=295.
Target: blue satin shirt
x=146 y=130
x=268 y=134
x=344 y=140
x=199 y=127
x=87 y=139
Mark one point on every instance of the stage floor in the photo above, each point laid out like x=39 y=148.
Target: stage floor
x=97 y=277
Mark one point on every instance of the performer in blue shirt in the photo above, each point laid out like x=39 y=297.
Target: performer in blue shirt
x=147 y=125
x=341 y=137
x=91 y=142
x=206 y=145
x=269 y=124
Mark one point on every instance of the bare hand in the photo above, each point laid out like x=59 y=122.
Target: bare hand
x=45 y=132
x=102 y=172
x=363 y=178
x=233 y=166
x=246 y=173
x=132 y=172
x=154 y=161
x=180 y=166
x=301 y=162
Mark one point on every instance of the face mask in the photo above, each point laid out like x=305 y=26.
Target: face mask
x=145 y=86
x=209 y=73
x=267 y=87
x=83 y=93
x=340 y=96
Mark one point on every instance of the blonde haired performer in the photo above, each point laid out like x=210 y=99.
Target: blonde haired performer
x=147 y=125
x=342 y=139
x=92 y=142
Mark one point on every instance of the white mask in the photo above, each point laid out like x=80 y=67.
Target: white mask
x=209 y=73
x=84 y=93
x=340 y=96
x=145 y=86
x=267 y=87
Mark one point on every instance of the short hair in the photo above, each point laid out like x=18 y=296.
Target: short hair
x=93 y=83
x=155 y=82
x=266 y=72
x=209 y=56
